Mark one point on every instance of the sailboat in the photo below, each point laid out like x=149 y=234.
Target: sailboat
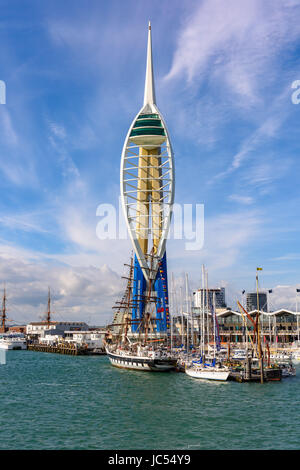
x=208 y=371
x=205 y=370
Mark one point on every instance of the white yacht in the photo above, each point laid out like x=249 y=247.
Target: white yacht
x=240 y=354
x=296 y=356
x=12 y=341
x=208 y=372
x=200 y=370
x=288 y=370
x=281 y=356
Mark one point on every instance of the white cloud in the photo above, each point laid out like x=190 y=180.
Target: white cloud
x=225 y=239
x=84 y=293
x=16 y=162
x=236 y=41
x=284 y=297
x=58 y=130
x=57 y=139
x=241 y=199
x=263 y=171
x=288 y=257
x=7 y=128
x=28 y=222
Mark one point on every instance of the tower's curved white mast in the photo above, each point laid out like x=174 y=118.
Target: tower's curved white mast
x=147 y=178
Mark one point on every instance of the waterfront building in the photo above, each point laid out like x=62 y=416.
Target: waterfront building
x=38 y=330
x=17 y=329
x=92 y=339
x=280 y=328
x=51 y=337
x=206 y=296
x=251 y=301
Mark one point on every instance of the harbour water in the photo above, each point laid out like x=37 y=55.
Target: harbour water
x=51 y=401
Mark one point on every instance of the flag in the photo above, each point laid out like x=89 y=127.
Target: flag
x=259 y=269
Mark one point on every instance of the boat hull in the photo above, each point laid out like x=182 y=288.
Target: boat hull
x=141 y=363
x=207 y=374
x=296 y=359
x=8 y=346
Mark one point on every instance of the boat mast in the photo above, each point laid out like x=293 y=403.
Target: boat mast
x=181 y=309
x=187 y=313
x=123 y=307
x=207 y=308
x=189 y=309
x=176 y=303
x=129 y=290
x=297 y=290
x=3 y=317
x=171 y=310
x=202 y=311
x=48 y=319
x=260 y=355
x=269 y=320
x=214 y=320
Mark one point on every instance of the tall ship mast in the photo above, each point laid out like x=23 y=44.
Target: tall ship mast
x=3 y=312
x=123 y=321
x=48 y=314
x=147 y=195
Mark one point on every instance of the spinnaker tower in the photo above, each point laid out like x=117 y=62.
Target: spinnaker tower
x=147 y=195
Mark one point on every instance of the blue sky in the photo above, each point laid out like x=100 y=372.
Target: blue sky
x=74 y=73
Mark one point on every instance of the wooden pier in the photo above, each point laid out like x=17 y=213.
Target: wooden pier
x=270 y=375
x=64 y=348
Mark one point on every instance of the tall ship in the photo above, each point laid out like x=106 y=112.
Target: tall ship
x=147 y=195
x=142 y=350
x=9 y=340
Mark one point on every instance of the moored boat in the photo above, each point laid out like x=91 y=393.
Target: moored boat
x=296 y=357
x=140 y=358
x=240 y=354
x=11 y=341
x=208 y=372
x=287 y=369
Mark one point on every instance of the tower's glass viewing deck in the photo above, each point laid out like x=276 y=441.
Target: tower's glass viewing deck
x=147 y=131
x=147 y=124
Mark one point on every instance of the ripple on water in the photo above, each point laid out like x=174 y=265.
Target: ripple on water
x=60 y=402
